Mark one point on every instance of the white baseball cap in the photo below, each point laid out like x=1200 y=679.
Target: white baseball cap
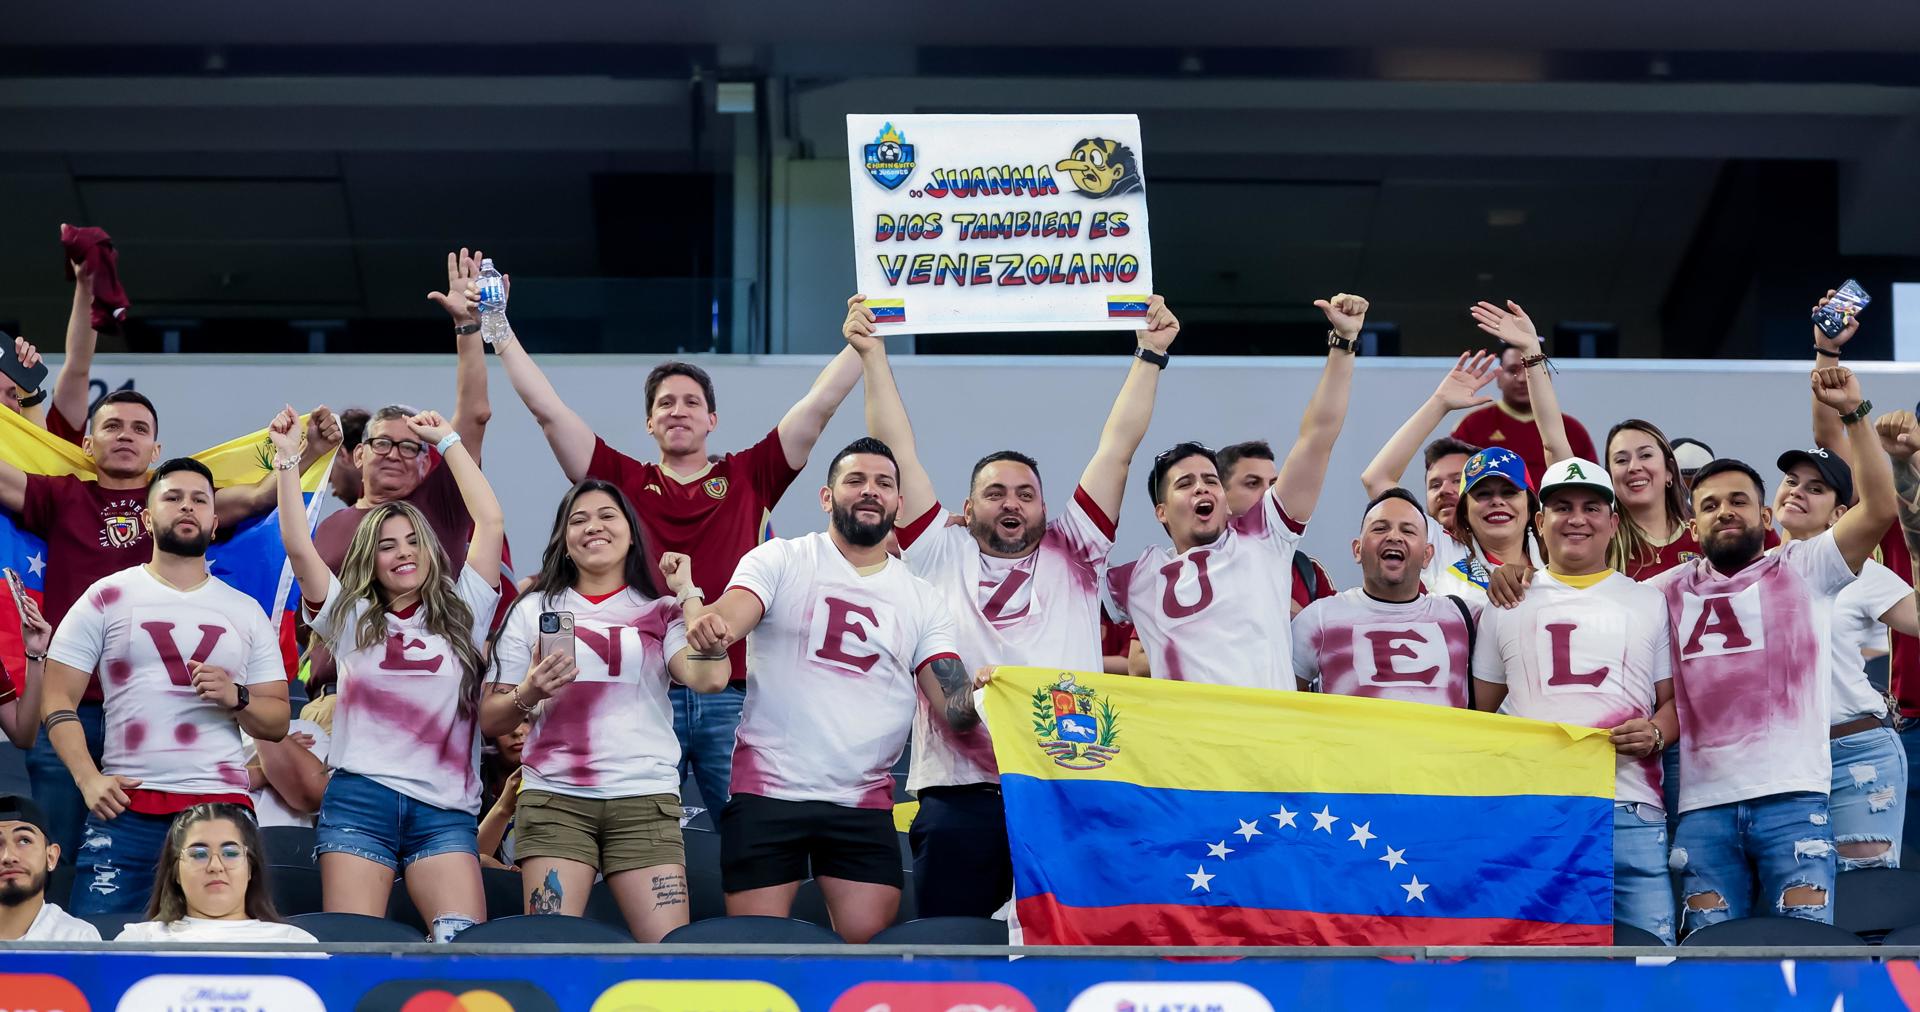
x=1574 y=472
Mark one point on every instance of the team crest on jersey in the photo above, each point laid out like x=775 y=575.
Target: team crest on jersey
x=1076 y=726
x=716 y=487
x=1686 y=557
x=119 y=531
x=655 y=489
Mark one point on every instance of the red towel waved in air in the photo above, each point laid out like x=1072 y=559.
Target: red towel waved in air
x=93 y=249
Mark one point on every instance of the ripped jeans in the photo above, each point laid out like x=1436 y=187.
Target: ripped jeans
x=114 y=871
x=1782 y=840
x=1869 y=795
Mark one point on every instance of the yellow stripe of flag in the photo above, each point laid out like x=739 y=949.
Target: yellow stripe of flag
x=243 y=460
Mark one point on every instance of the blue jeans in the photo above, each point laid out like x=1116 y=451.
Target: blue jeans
x=368 y=819
x=53 y=786
x=1642 y=886
x=1778 y=842
x=1910 y=742
x=705 y=726
x=114 y=871
x=1869 y=787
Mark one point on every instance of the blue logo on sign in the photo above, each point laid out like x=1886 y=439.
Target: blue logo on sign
x=889 y=158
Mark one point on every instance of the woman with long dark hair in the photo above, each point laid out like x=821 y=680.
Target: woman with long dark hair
x=600 y=775
x=407 y=638
x=211 y=883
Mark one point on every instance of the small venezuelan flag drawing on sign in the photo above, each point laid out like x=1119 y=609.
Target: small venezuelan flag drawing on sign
x=888 y=310
x=1121 y=306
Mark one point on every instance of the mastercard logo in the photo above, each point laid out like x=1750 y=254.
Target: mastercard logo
x=40 y=992
x=466 y=1001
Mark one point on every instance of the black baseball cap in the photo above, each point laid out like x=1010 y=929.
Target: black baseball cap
x=1833 y=470
x=20 y=808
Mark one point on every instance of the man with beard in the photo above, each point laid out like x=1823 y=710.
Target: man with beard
x=1022 y=590
x=1589 y=646
x=1753 y=671
x=1388 y=638
x=842 y=630
x=26 y=859
x=93 y=528
x=186 y=662
x=1202 y=606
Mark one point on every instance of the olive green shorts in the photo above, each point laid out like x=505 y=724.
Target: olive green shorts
x=611 y=834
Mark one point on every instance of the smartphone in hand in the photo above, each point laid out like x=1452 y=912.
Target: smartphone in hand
x=10 y=367
x=556 y=634
x=19 y=589
x=1847 y=302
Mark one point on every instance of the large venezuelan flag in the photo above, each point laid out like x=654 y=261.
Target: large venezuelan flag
x=249 y=557
x=1152 y=812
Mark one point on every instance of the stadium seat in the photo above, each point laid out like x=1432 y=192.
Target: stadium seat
x=945 y=931
x=1627 y=934
x=705 y=895
x=1909 y=935
x=354 y=928
x=295 y=889
x=110 y=925
x=1873 y=901
x=288 y=845
x=1772 y=931
x=810 y=904
x=909 y=901
x=400 y=907
x=546 y=928
x=505 y=895
x=768 y=930
x=60 y=884
x=603 y=907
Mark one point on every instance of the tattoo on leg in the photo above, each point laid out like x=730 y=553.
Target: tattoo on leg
x=546 y=896
x=669 y=890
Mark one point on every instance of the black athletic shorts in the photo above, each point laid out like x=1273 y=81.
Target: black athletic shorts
x=769 y=842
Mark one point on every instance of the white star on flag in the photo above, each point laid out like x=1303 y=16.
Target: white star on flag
x=1284 y=817
x=1416 y=890
x=35 y=565
x=1361 y=835
x=1219 y=850
x=1247 y=830
x=1395 y=858
x=1201 y=878
x=1324 y=819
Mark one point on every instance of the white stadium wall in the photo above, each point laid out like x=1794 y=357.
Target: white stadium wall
x=962 y=408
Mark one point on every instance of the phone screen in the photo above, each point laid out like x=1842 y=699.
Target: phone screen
x=1847 y=302
x=556 y=633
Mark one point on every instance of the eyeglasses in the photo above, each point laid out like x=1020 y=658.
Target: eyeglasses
x=200 y=855
x=381 y=446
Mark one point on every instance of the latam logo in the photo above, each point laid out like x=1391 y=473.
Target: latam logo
x=196 y=993
x=947 y=996
x=1170 y=996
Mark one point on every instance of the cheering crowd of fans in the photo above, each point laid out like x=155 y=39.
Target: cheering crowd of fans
x=1721 y=635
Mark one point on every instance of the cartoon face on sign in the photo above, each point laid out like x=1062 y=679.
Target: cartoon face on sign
x=1101 y=168
x=889 y=158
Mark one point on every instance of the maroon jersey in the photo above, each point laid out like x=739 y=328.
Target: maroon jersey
x=91 y=533
x=1498 y=425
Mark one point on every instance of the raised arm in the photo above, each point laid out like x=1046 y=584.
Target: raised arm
x=801 y=426
x=1305 y=472
x=1828 y=433
x=471 y=408
x=886 y=412
x=239 y=502
x=1105 y=478
x=1460 y=388
x=295 y=536
x=567 y=433
x=489 y=523
x=71 y=389
x=1859 y=531
x=1515 y=328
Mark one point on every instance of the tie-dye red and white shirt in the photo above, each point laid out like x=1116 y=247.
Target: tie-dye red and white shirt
x=398 y=721
x=1752 y=672
x=1355 y=644
x=608 y=733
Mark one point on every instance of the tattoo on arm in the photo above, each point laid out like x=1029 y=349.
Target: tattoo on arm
x=545 y=898
x=1906 y=488
x=669 y=890
x=958 y=688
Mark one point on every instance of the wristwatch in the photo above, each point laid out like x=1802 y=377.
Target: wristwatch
x=244 y=696
x=1151 y=357
x=1857 y=414
x=468 y=328
x=1334 y=340
x=32 y=399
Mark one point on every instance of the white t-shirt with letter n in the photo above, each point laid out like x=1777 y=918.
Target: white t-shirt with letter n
x=1207 y=614
x=1752 y=672
x=1039 y=611
x=1357 y=645
x=608 y=733
x=1592 y=656
x=398 y=721
x=142 y=635
x=833 y=660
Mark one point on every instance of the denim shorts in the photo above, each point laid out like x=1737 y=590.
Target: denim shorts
x=365 y=818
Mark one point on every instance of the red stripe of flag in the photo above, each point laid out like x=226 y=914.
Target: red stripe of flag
x=1045 y=921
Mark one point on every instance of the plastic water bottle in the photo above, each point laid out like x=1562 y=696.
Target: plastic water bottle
x=493 y=303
